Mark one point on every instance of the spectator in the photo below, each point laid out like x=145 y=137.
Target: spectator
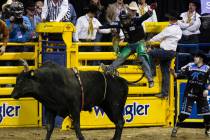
x=19 y=25
x=34 y=19
x=71 y=15
x=143 y=8
x=100 y=15
x=5 y=8
x=54 y=10
x=38 y=8
x=87 y=26
x=168 y=39
x=190 y=24
x=113 y=11
x=5 y=36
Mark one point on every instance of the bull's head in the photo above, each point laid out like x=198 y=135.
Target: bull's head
x=25 y=83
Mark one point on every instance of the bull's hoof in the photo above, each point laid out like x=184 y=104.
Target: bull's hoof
x=174 y=132
x=81 y=138
x=207 y=133
x=115 y=138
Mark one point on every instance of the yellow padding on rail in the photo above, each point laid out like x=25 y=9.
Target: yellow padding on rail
x=13 y=69
x=145 y=90
x=134 y=77
x=7 y=80
x=17 y=56
x=124 y=69
x=108 y=44
x=155 y=27
x=20 y=44
x=127 y=69
x=6 y=91
x=100 y=56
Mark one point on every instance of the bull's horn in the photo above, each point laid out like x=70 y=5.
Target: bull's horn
x=25 y=64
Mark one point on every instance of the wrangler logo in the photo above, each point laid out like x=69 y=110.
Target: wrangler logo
x=8 y=111
x=130 y=111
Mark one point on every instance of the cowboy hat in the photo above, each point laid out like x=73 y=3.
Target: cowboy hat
x=201 y=54
x=133 y=6
x=173 y=14
x=6 y=4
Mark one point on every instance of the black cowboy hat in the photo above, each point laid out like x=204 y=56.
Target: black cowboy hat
x=174 y=15
x=91 y=8
x=201 y=54
x=196 y=2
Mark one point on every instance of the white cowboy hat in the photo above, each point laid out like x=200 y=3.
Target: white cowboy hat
x=133 y=6
x=5 y=4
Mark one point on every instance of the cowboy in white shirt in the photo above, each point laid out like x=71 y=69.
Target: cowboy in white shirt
x=54 y=10
x=190 y=24
x=87 y=26
x=168 y=39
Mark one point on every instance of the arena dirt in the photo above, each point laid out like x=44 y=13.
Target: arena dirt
x=152 y=133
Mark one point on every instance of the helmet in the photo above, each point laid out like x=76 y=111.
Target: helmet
x=17 y=9
x=123 y=16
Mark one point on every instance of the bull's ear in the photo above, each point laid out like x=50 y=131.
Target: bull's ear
x=32 y=73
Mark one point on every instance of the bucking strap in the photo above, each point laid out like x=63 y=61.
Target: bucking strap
x=76 y=72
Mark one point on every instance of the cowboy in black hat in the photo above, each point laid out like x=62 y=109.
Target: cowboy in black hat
x=196 y=89
x=168 y=39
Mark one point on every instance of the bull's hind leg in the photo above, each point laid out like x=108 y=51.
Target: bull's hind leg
x=50 y=124
x=115 y=114
x=76 y=123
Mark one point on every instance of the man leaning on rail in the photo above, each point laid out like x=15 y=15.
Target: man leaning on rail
x=5 y=36
x=132 y=28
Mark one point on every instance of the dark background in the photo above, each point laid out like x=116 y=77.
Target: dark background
x=163 y=5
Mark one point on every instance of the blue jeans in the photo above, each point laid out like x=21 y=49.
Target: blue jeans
x=97 y=48
x=165 y=58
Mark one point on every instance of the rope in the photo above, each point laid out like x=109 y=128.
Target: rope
x=105 y=87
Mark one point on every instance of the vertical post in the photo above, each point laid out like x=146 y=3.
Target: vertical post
x=71 y=50
x=171 y=111
x=39 y=50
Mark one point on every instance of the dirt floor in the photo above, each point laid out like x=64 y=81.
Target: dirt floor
x=152 y=133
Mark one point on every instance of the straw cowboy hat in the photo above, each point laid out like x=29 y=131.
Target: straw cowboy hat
x=6 y=4
x=133 y=6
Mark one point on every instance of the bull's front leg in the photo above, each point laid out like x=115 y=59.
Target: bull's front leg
x=76 y=123
x=50 y=120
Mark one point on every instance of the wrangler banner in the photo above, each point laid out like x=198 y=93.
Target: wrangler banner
x=19 y=113
x=138 y=111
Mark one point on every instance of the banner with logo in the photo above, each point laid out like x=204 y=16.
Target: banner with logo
x=205 y=6
x=138 y=111
x=19 y=113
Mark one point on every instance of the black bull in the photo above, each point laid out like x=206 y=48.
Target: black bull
x=58 y=89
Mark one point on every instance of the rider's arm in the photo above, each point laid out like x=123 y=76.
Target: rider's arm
x=184 y=72
x=144 y=17
x=108 y=26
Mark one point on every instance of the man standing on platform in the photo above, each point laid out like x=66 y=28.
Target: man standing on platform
x=198 y=75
